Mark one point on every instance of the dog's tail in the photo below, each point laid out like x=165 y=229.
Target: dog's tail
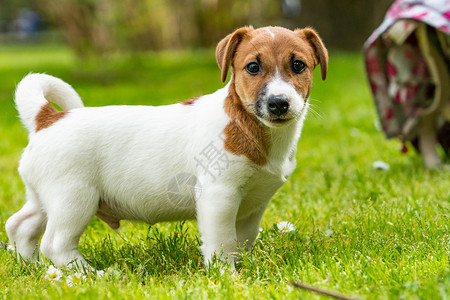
x=35 y=90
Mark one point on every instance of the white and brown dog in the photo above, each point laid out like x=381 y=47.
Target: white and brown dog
x=218 y=158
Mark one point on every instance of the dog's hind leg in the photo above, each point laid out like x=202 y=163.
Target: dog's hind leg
x=25 y=227
x=69 y=211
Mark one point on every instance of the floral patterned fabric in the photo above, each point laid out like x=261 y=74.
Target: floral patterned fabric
x=399 y=78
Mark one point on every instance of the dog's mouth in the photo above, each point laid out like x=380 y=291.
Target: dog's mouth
x=277 y=122
x=274 y=122
x=284 y=120
x=271 y=121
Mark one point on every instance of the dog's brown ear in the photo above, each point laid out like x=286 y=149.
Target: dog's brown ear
x=227 y=47
x=320 y=52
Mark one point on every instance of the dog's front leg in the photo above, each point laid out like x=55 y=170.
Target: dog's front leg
x=247 y=229
x=216 y=217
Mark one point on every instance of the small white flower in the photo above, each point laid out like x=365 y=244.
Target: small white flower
x=259 y=233
x=329 y=233
x=113 y=273
x=100 y=273
x=390 y=223
x=75 y=279
x=380 y=165
x=10 y=248
x=285 y=226
x=54 y=273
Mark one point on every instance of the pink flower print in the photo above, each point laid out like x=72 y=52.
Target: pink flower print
x=447 y=14
x=412 y=90
x=397 y=97
x=389 y=113
x=410 y=53
x=392 y=71
x=395 y=10
x=445 y=28
x=420 y=69
x=374 y=88
x=373 y=67
x=420 y=16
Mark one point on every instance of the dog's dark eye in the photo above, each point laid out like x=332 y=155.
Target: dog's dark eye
x=253 y=68
x=298 y=66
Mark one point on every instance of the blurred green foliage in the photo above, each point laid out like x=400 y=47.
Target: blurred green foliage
x=98 y=27
x=104 y=26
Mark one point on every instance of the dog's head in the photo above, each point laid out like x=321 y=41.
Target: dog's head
x=273 y=70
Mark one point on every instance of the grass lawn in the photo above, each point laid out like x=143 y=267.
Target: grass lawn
x=361 y=232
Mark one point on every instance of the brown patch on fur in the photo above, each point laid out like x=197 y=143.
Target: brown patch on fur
x=244 y=135
x=272 y=53
x=227 y=47
x=276 y=54
x=189 y=101
x=321 y=52
x=47 y=116
x=274 y=49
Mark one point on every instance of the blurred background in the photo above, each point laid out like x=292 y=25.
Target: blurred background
x=99 y=27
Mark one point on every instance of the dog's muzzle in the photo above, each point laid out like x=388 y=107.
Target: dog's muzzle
x=278 y=105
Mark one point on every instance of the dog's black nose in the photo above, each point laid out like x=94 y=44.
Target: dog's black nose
x=278 y=104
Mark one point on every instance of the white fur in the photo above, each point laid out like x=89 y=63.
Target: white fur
x=279 y=86
x=298 y=107
x=125 y=158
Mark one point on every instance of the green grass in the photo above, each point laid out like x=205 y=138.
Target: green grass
x=361 y=232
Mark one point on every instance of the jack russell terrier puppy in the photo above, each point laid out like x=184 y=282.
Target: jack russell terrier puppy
x=218 y=158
